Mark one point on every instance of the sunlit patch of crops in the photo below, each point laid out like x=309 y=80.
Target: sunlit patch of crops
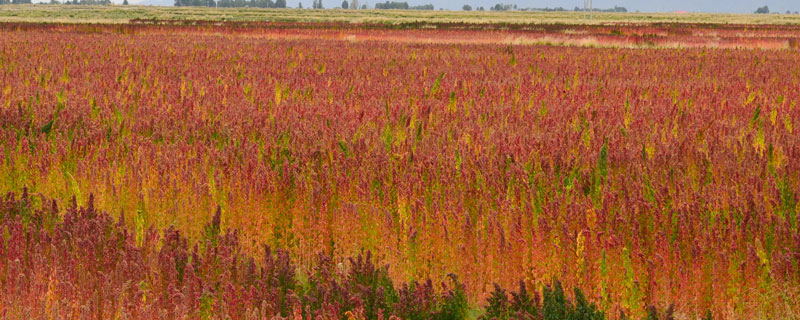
x=645 y=176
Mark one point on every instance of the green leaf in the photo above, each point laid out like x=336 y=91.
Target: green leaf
x=47 y=127
x=436 y=85
x=602 y=161
x=345 y=150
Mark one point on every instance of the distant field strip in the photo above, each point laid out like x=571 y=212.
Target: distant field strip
x=123 y=14
x=637 y=36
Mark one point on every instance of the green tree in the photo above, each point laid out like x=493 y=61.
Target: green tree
x=344 y=4
x=466 y=7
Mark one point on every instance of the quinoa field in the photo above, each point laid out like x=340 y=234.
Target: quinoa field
x=328 y=170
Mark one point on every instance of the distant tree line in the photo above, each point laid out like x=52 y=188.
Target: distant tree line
x=402 y=5
x=509 y=7
x=422 y=7
x=503 y=7
x=81 y=2
x=765 y=10
x=15 y=1
x=614 y=9
x=232 y=3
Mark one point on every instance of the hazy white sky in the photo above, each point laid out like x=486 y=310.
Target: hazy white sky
x=739 y=6
x=732 y=6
